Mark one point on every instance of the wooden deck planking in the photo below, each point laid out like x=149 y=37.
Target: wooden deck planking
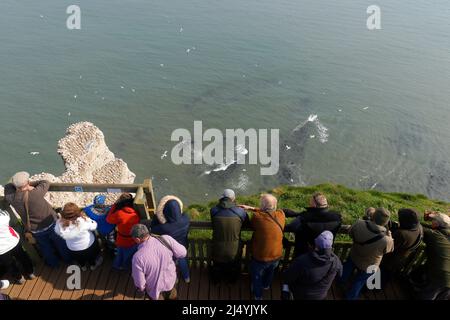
x=130 y=290
x=39 y=286
x=194 y=285
x=22 y=292
x=77 y=294
x=100 y=287
x=276 y=286
x=51 y=284
x=182 y=290
x=105 y=283
x=60 y=286
x=112 y=284
x=214 y=291
x=224 y=291
x=89 y=292
x=204 y=280
x=245 y=287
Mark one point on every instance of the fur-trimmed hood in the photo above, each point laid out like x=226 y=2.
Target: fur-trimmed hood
x=159 y=213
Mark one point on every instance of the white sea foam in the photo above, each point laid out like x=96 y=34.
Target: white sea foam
x=241 y=151
x=322 y=131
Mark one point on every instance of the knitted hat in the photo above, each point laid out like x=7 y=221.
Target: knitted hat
x=20 y=179
x=228 y=193
x=381 y=216
x=99 y=199
x=408 y=218
x=324 y=240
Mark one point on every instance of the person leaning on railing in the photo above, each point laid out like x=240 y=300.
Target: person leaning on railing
x=170 y=220
x=267 y=223
x=407 y=235
x=227 y=220
x=37 y=216
x=313 y=221
x=436 y=271
x=98 y=212
x=371 y=240
x=78 y=231
x=123 y=215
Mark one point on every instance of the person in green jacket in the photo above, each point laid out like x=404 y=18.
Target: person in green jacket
x=227 y=220
x=437 y=267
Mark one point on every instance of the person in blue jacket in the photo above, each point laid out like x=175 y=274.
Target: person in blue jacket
x=170 y=220
x=98 y=212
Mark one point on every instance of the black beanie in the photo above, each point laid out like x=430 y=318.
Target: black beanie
x=408 y=218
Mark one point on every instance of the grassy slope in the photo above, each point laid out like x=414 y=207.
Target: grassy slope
x=351 y=203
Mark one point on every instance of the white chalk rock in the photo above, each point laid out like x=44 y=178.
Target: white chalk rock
x=87 y=159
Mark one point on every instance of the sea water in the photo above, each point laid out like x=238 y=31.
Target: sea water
x=365 y=108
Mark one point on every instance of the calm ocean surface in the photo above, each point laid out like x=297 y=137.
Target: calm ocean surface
x=382 y=98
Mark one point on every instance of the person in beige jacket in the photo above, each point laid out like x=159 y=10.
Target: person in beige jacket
x=371 y=241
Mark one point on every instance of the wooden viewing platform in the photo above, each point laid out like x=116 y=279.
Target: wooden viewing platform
x=107 y=284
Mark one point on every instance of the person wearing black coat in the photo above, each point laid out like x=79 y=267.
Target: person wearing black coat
x=407 y=235
x=310 y=275
x=312 y=222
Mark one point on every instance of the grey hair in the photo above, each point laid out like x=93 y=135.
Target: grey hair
x=139 y=231
x=268 y=202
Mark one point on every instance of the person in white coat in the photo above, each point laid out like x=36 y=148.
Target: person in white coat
x=13 y=257
x=78 y=231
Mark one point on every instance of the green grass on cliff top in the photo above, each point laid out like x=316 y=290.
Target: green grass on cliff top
x=351 y=203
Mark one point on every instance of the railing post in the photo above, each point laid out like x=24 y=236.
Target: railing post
x=150 y=197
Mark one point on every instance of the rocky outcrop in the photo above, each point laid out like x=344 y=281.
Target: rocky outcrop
x=87 y=159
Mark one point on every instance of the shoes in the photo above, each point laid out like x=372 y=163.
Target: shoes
x=21 y=280
x=188 y=280
x=4 y=284
x=98 y=263
x=31 y=276
x=83 y=268
x=266 y=288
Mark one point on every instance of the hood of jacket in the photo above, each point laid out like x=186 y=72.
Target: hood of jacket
x=170 y=213
x=226 y=203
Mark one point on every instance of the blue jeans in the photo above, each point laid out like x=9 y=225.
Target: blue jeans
x=49 y=242
x=123 y=257
x=184 y=267
x=262 y=275
x=358 y=283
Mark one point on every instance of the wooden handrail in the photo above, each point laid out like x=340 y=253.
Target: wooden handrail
x=91 y=187
x=206 y=225
x=144 y=200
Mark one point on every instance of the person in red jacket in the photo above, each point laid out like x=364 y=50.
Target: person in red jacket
x=124 y=215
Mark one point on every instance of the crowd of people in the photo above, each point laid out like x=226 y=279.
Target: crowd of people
x=155 y=250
